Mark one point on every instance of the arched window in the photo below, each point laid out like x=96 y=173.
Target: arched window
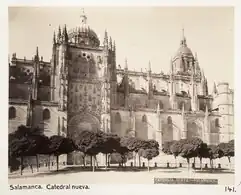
x=216 y=122
x=12 y=113
x=169 y=120
x=144 y=119
x=46 y=114
x=117 y=118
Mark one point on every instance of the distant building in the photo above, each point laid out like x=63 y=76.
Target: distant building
x=82 y=89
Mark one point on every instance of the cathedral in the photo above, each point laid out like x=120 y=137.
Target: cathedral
x=83 y=88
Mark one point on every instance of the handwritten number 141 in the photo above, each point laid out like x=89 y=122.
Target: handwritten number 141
x=230 y=189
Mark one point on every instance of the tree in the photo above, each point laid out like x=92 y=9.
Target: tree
x=167 y=149
x=149 y=149
x=198 y=148
x=21 y=143
x=109 y=145
x=149 y=154
x=60 y=145
x=176 y=147
x=228 y=150
x=90 y=143
x=133 y=144
x=214 y=152
x=123 y=149
x=188 y=151
x=18 y=147
x=203 y=152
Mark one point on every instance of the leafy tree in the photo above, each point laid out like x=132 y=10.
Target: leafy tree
x=60 y=145
x=188 y=151
x=198 y=147
x=167 y=148
x=90 y=143
x=228 y=150
x=18 y=147
x=176 y=147
x=214 y=153
x=149 y=149
x=123 y=149
x=21 y=143
x=149 y=154
x=133 y=144
x=109 y=145
x=203 y=152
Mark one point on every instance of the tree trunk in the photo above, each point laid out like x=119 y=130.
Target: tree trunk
x=211 y=164
x=57 y=161
x=106 y=161
x=229 y=160
x=49 y=162
x=93 y=160
x=148 y=166
x=96 y=161
x=188 y=163
x=139 y=160
x=83 y=157
x=194 y=161
x=134 y=156
x=21 y=165
x=201 y=167
x=31 y=167
x=37 y=162
x=109 y=159
x=175 y=161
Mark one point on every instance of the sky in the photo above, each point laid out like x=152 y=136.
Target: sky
x=142 y=34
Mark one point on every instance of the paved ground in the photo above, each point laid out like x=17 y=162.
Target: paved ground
x=117 y=176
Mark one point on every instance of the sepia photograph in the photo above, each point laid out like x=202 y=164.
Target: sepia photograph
x=120 y=95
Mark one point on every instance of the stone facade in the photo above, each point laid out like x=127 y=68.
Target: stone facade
x=82 y=88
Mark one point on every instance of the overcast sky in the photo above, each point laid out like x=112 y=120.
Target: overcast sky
x=142 y=34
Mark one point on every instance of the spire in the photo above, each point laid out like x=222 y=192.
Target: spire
x=206 y=86
x=59 y=35
x=65 y=34
x=196 y=59
x=37 y=55
x=126 y=64
x=171 y=66
x=149 y=66
x=110 y=43
x=183 y=39
x=202 y=75
x=114 y=47
x=83 y=17
x=215 y=91
x=37 y=51
x=54 y=38
x=106 y=39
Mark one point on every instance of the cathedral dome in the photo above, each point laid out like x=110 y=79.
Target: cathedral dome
x=84 y=35
x=184 y=50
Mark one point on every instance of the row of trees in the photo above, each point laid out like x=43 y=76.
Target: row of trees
x=26 y=142
x=196 y=148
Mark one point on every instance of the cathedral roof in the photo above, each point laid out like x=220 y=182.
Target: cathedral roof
x=83 y=34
